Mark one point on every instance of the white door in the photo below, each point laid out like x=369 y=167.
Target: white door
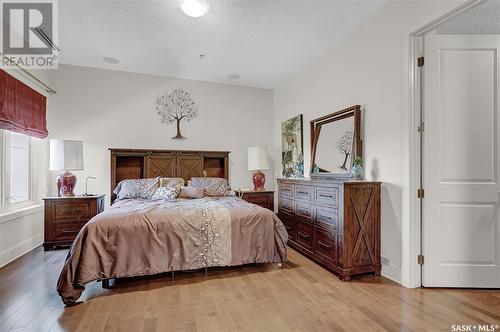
x=461 y=161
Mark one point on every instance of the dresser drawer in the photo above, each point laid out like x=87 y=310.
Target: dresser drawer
x=285 y=189
x=325 y=244
x=327 y=196
x=68 y=231
x=304 y=235
x=326 y=216
x=72 y=211
x=286 y=205
x=289 y=224
x=304 y=210
x=304 y=193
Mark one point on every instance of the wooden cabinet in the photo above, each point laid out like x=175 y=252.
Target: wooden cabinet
x=65 y=216
x=140 y=163
x=260 y=198
x=333 y=221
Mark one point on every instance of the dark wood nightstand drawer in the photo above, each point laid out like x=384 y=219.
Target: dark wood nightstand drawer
x=260 y=200
x=68 y=231
x=72 y=210
x=264 y=199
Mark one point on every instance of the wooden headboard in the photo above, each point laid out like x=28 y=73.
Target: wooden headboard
x=148 y=163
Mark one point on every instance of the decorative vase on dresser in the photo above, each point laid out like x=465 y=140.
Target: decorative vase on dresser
x=65 y=216
x=334 y=221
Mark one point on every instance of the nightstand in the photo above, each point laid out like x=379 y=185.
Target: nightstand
x=262 y=198
x=65 y=216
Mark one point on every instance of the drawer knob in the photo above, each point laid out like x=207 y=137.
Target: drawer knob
x=304 y=212
x=305 y=236
x=302 y=193
x=324 y=217
x=327 y=196
x=324 y=245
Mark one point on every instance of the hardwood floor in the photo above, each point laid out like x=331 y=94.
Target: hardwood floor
x=301 y=296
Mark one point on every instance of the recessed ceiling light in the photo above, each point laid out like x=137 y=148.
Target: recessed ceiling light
x=194 y=8
x=110 y=59
x=233 y=76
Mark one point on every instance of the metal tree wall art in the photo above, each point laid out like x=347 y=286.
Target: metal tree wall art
x=175 y=107
x=345 y=146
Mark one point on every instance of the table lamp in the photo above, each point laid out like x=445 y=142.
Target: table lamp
x=257 y=161
x=66 y=155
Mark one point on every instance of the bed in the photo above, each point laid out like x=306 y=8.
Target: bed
x=137 y=237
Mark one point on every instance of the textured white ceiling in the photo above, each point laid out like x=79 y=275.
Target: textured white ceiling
x=263 y=41
x=483 y=19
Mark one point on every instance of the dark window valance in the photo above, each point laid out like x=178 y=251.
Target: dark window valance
x=22 y=109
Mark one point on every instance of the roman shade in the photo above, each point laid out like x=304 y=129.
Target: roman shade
x=22 y=109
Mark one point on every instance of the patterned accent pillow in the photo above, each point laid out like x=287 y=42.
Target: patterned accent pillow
x=191 y=192
x=212 y=186
x=172 y=182
x=166 y=193
x=136 y=188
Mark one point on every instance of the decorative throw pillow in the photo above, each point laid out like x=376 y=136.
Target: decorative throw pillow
x=166 y=193
x=191 y=192
x=171 y=182
x=136 y=188
x=212 y=186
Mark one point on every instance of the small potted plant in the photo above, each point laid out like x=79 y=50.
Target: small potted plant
x=357 y=169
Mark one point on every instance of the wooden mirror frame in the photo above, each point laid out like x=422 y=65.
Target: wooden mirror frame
x=316 y=124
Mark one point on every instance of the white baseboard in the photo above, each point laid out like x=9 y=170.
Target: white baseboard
x=17 y=251
x=392 y=272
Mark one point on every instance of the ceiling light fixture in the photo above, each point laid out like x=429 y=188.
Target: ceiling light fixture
x=111 y=60
x=194 y=8
x=233 y=76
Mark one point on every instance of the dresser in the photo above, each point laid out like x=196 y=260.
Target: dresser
x=262 y=198
x=65 y=216
x=335 y=222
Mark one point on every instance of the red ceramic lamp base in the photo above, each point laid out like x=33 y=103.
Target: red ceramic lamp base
x=259 y=179
x=65 y=184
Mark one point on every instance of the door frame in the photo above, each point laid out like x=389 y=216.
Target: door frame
x=413 y=161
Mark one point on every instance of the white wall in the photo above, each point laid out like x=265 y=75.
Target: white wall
x=116 y=109
x=368 y=68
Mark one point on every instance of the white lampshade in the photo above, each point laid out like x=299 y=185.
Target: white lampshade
x=257 y=158
x=66 y=155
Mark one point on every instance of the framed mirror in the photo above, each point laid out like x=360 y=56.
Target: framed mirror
x=335 y=141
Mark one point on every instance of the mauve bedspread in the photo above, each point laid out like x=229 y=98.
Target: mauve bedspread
x=140 y=237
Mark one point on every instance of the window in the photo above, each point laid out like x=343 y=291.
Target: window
x=17 y=170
